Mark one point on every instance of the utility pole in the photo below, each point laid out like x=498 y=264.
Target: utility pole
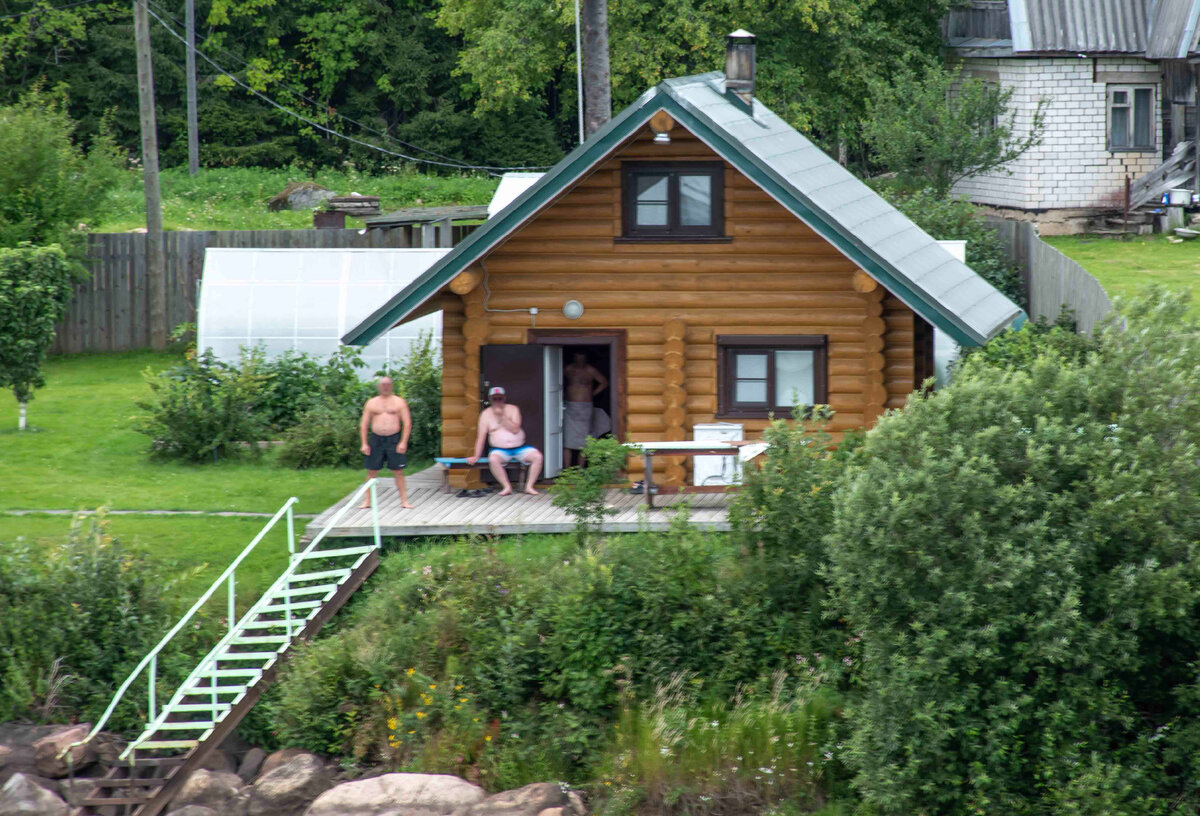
x=155 y=277
x=192 y=117
x=597 y=88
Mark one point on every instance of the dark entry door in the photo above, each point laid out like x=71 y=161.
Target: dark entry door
x=519 y=369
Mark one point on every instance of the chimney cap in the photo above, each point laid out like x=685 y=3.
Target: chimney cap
x=740 y=34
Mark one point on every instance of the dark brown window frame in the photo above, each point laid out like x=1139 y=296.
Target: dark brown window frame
x=729 y=345
x=673 y=231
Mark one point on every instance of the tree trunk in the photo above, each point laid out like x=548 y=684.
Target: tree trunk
x=597 y=92
x=21 y=416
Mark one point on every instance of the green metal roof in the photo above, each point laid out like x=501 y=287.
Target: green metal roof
x=792 y=170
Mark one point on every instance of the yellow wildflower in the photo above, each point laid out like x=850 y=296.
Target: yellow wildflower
x=420 y=714
x=458 y=687
x=462 y=699
x=433 y=685
x=391 y=723
x=488 y=738
x=411 y=672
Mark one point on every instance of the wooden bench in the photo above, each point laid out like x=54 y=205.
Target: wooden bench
x=450 y=463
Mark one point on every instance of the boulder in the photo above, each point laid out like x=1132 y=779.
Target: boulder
x=47 y=749
x=554 y=812
x=193 y=810
x=20 y=795
x=251 y=764
x=300 y=195
x=530 y=800
x=74 y=790
x=218 y=790
x=274 y=760
x=575 y=805
x=290 y=788
x=218 y=761
x=398 y=793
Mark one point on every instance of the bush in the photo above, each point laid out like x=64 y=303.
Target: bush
x=539 y=645
x=1018 y=349
x=1019 y=550
x=324 y=435
x=204 y=409
x=75 y=618
x=956 y=219
x=296 y=382
x=583 y=491
x=760 y=750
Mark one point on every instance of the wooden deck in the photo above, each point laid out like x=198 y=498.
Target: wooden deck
x=438 y=513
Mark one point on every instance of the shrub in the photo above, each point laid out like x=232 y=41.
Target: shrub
x=539 y=644
x=324 y=435
x=35 y=285
x=75 y=618
x=582 y=491
x=204 y=409
x=765 y=747
x=296 y=382
x=1018 y=349
x=1019 y=552
x=956 y=219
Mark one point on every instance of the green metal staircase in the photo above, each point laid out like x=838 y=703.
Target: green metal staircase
x=227 y=682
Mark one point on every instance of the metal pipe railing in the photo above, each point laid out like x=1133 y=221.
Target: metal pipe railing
x=150 y=661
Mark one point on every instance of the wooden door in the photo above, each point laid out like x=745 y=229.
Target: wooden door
x=519 y=369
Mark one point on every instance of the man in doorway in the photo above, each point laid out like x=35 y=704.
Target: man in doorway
x=384 y=430
x=500 y=427
x=584 y=382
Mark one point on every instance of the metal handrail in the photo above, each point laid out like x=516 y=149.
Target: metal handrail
x=151 y=659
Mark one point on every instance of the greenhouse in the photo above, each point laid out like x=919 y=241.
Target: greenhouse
x=304 y=300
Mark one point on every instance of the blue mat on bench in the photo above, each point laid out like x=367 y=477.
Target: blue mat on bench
x=461 y=460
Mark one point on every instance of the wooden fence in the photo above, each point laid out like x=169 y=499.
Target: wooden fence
x=1053 y=281
x=111 y=310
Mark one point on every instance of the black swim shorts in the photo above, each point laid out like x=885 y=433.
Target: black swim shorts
x=383 y=449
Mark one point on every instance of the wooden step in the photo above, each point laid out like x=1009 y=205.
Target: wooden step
x=320 y=576
x=291 y=592
x=339 y=553
x=132 y=781
x=247 y=656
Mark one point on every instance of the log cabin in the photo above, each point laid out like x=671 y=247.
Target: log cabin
x=712 y=262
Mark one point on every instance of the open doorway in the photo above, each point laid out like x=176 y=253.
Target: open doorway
x=581 y=367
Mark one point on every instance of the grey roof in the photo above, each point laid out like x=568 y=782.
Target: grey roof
x=1156 y=29
x=1174 y=27
x=790 y=168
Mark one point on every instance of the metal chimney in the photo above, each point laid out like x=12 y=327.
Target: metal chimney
x=739 y=65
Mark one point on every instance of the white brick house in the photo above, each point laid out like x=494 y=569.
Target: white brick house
x=1111 y=109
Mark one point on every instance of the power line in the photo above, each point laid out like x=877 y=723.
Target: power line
x=451 y=163
x=43 y=10
x=315 y=103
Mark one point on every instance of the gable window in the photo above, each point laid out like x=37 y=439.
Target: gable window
x=673 y=201
x=1131 y=117
x=759 y=375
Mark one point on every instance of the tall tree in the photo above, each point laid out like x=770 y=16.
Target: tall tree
x=597 y=82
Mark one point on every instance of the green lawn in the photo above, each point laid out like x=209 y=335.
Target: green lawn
x=235 y=198
x=1126 y=267
x=82 y=452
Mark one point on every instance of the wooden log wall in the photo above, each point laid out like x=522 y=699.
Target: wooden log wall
x=775 y=277
x=110 y=310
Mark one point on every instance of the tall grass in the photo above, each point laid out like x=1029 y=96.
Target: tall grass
x=759 y=752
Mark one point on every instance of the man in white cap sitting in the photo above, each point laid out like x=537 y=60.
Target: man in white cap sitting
x=500 y=427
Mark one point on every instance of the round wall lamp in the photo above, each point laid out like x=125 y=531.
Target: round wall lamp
x=573 y=310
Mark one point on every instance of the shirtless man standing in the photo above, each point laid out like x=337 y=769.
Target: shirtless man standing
x=584 y=382
x=500 y=427
x=389 y=423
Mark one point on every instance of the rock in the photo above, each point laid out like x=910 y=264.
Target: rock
x=19 y=740
x=74 y=790
x=20 y=795
x=530 y=800
x=278 y=758
x=300 y=195
x=575 y=804
x=290 y=788
x=219 y=790
x=398 y=793
x=554 y=812
x=47 y=749
x=218 y=761
x=193 y=810
x=251 y=764
x=6 y=753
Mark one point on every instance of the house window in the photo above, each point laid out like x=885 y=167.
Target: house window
x=760 y=375
x=1130 y=117
x=681 y=201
